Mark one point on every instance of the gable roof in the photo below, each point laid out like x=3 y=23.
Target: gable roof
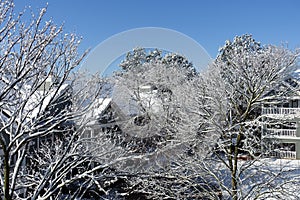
x=34 y=104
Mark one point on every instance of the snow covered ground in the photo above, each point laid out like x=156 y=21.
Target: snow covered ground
x=287 y=184
x=267 y=178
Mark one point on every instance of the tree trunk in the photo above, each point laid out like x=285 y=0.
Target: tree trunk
x=6 y=175
x=234 y=182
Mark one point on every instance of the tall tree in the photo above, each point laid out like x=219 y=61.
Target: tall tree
x=39 y=100
x=139 y=56
x=161 y=130
x=233 y=90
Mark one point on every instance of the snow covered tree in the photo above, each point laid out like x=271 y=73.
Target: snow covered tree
x=57 y=162
x=133 y=59
x=41 y=105
x=138 y=56
x=179 y=61
x=149 y=94
x=232 y=92
x=160 y=131
x=153 y=84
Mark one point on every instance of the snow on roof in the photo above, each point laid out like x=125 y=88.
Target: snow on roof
x=130 y=103
x=98 y=108
x=101 y=106
x=34 y=102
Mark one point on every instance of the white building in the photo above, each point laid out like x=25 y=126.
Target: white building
x=282 y=120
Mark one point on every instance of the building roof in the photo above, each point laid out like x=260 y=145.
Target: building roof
x=35 y=103
x=41 y=99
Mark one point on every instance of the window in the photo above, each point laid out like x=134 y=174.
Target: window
x=295 y=103
x=287 y=146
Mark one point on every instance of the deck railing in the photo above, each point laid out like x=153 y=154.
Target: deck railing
x=280 y=111
x=280 y=132
x=284 y=154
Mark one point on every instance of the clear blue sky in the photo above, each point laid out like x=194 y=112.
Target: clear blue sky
x=209 y=22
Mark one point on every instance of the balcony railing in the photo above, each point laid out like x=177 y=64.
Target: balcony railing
x=280 y=132
x=283 y=154
x=280 y=111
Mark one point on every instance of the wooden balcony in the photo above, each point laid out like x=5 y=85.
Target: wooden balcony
x=280 y=111
x=283 y=154
x=280 y=132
